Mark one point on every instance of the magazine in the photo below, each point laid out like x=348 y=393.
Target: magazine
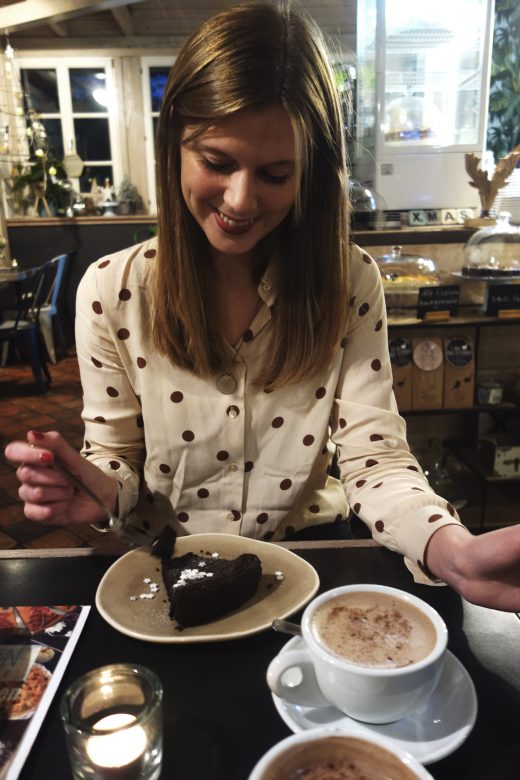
x=36 y=644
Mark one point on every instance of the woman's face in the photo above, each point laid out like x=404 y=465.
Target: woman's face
x=238 y=178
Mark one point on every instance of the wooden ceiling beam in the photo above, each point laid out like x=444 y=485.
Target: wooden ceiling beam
x=58 y=29
x=124 y=19
x=30 y=13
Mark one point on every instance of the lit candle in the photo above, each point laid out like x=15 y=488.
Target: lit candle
x=118 y=754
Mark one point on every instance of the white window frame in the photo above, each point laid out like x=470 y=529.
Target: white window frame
x=67 y=115
x=149 y=116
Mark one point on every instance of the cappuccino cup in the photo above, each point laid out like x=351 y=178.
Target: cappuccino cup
x=374 y=652
x=337 y=753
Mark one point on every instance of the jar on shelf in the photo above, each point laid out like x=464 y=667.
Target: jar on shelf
x=493 y=252
x=403 y=275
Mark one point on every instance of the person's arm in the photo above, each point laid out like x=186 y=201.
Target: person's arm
x=485 y=569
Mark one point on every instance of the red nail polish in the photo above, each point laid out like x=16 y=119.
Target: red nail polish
x=45 y=457
x=37 y=434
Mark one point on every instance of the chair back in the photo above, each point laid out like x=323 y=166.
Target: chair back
x=53 y=283
x=30 y=296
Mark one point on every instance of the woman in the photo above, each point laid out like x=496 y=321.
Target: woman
x=226 y=362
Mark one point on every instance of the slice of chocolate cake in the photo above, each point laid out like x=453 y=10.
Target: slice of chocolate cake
x=202 y=589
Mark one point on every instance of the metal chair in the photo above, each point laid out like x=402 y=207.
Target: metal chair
x=24 y=330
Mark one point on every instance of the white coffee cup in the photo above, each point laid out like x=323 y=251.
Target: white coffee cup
x=362 y=690
x=307 y=751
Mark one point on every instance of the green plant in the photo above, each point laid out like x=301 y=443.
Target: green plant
x=25 y=178
x=128 y=192
x=504 y=94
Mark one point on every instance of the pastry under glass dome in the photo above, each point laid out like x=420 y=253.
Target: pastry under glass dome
x=494 y=251
x=403 y=276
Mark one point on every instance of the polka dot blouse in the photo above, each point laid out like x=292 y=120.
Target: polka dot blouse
x=228 y=456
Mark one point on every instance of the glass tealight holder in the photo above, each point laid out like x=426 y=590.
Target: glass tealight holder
x=113 y=723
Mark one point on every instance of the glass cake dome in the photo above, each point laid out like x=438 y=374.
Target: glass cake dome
x=494 y=251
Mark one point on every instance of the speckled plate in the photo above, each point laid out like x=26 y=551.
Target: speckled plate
x=148 y=619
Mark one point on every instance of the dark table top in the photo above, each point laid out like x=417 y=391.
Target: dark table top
x=219 y=717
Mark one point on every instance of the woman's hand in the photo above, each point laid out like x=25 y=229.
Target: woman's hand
x=48 y=497
x=484 y=569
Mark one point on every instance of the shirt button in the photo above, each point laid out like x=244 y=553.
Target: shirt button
x=233 y=467
x=232 y=411
x=266 y=286
x=230 y=516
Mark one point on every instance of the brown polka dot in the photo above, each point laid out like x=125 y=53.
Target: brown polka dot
x=371 y=462
x=308 y=440
x=376 y=437
x=88 y=445
x=188 y=435
x=285 y=484
x=222 y=455
x=104 y=264
x=363 y=309
x=321 y=392
x=290 y=530
x=379 y=325
x=324 y=451
x=150 y=498
x=314 y=508
x=338 y=518
x=146 y=525
x=366 y=258
x=434 y=518
x=96 y=306
x=356 y=508
x=164 y=468
x=343 y=342
x=183 y=517
x=451 y=509
x=419 y=489
x=248 y=465
x=268 y=536
x=150 y=253
x=361 y=482
x=277 y=422
x=268 y=389
x=377 y=486
x=379 y=526
x=124 y=294
x=202 y=493
x=96 y=362
x=112 y=392
x=139 y=421
x=262 y=518
x=123 y=334
x=376 y=365
x=176 y=397
x=100 y=419
x=141 y=362
x=342 y=422
x=248 y=335
x=236 y=514
x=412 y=468
x=352 y=301
x=114 y=465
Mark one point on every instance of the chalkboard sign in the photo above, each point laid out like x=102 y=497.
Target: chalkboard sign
x=445 y=297
x=502 y=297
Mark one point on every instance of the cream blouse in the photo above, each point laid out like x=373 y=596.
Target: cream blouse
x=224 y=455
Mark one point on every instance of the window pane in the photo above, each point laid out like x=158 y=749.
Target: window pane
x=40 y=90
x=97 y=172
x=54 y=136
x=88 y=90
x=158 y=79
x=92 y=139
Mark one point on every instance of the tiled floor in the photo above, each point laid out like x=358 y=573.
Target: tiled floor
x=22 y=408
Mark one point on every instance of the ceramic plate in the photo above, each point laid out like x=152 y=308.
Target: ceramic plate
x=148 y=619
x=430 y=733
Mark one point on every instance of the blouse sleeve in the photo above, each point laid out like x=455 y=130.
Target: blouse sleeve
x=113 y=432
x=384 y=483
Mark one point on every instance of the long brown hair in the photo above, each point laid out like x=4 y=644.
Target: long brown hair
x=253 y=56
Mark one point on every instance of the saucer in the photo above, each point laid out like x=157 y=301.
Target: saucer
x=430 y=733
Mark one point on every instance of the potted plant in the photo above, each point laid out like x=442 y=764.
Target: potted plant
x=130 y=202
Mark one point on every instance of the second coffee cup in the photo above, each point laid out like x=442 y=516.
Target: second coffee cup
x=374 y=652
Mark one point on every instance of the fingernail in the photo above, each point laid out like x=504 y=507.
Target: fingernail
x=37 y=434
x=45 y=457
